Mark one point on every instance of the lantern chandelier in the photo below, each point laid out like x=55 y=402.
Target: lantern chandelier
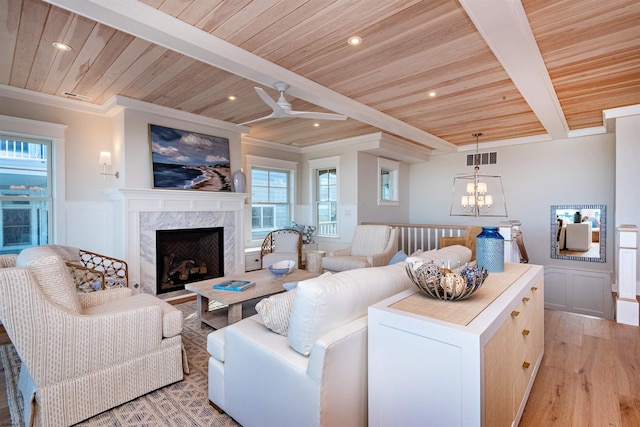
x=478 y=194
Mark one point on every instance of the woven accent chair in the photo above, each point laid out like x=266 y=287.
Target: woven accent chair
x=280 y=245
x=84 y=353
x=468 y=240
x=372 y=246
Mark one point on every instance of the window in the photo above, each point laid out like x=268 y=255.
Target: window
x=271 y=200
x=327 y=202
x=25 y=196
x=388 y=171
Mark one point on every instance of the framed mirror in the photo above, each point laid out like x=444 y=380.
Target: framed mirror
x=579 y=232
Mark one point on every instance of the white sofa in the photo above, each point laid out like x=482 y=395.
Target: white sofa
x=316 y=375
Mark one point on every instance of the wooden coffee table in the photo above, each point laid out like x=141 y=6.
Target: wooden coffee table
x=266 y=284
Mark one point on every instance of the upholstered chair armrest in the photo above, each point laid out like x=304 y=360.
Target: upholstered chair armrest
x=341 y=252
x=36 y=326
x=8 y=260
x=379 y=260
x=93 y=299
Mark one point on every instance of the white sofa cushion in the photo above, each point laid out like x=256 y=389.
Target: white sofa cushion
x=324 y=303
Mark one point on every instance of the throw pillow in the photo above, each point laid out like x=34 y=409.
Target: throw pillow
x=275 y=311
x=295 y=226
x=398 y=257
x=307 y=233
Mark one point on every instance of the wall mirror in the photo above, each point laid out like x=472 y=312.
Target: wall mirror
x=579 y=232
x=388 y=171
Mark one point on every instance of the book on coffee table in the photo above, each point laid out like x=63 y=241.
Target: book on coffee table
x=234 y=285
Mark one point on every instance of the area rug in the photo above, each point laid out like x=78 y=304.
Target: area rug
x=184 y=403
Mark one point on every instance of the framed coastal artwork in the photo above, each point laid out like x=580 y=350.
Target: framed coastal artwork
x=188 y=160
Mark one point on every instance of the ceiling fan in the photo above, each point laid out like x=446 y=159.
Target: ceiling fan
x=282 y=109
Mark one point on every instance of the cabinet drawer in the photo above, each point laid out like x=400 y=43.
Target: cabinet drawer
x=252 y=261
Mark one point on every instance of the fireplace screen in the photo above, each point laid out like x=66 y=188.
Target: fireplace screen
x=188 y=255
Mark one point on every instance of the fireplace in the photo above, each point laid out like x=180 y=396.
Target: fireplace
x=188 y=255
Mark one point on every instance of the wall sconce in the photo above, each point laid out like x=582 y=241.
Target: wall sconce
x=105 y=160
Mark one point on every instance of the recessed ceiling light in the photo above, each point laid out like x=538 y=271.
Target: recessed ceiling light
x=432 y=94
x=61 y=46
x=354 y=40
x=231 y=98
x=316 y=125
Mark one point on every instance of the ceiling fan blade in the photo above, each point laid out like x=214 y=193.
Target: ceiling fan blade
x=315 y=115
x=270 y=116
x=270 y=102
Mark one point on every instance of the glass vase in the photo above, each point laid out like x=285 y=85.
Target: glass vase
x=490 y=250
x=239 y=181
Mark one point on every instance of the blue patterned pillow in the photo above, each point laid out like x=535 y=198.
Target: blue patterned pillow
x=306 y=230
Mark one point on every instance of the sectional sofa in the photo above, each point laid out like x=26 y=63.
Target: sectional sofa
x=313 y=370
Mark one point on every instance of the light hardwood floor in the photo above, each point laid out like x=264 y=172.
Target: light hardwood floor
x=590 y=375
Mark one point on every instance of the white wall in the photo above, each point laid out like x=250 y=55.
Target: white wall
x=535 y=176
x=368 y=209
x=628 y=176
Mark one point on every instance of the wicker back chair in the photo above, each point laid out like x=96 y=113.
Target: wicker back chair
x=90 y=271
x=282 y=244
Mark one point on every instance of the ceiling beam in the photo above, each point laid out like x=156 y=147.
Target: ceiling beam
x=148 y=23
x=504 y=26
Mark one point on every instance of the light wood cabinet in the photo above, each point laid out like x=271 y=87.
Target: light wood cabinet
x=465 y=363
x=510 y=357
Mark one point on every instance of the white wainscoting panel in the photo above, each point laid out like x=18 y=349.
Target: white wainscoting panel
x=578 y=291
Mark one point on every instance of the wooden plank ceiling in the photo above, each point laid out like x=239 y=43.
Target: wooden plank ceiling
x=411 y=48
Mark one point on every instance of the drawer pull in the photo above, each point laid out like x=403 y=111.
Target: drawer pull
x=526 y=365
x=515 y=313
x=534 y=288
x=525 y=332
x=525 y=299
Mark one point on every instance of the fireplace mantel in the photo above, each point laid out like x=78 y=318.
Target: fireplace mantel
x=138 y=213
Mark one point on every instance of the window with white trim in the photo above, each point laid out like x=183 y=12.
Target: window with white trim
x=25 y=192
x=327 y=201
x=272 y=195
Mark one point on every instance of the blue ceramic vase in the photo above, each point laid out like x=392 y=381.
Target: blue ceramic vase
x=490 y=250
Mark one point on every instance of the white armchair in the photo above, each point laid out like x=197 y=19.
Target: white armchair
x=372 y=246
x=84 y=353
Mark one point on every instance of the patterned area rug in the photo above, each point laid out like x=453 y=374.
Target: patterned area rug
x=184 y=403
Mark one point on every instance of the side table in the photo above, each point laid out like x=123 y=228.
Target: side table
x=314 y=261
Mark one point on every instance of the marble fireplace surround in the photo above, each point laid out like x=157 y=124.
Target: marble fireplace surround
x=138 y=213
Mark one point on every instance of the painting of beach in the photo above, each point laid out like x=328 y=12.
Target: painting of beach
x=189 y=161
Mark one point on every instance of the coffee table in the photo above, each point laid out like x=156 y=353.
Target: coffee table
x=266 y=284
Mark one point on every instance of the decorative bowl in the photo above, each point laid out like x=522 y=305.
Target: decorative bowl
x=442 y=283
x=282 y=268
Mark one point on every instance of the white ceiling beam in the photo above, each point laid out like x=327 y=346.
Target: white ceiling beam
x=504 y=26
x=148 y=23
